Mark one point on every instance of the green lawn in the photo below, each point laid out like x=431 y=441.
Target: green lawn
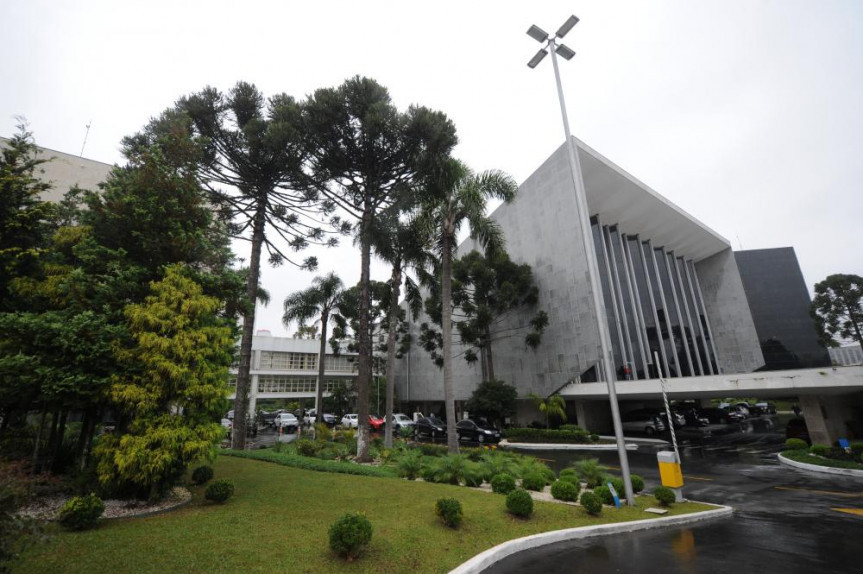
x=806 y=457
x=278 y=521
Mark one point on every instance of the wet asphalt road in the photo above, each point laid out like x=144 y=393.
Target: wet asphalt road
x=785 y=520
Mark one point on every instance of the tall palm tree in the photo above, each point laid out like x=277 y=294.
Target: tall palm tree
x=323 y=299
x=458 y=196
x=399 y=243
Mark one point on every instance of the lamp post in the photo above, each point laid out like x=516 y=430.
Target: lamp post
x=605 y=349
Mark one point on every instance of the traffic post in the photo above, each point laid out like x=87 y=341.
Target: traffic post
x=670 y=473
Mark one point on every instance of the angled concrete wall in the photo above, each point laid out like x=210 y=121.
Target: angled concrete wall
x=737 y=346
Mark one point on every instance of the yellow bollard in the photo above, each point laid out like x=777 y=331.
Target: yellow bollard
x=669 y=470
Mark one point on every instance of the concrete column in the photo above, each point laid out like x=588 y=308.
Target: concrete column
x=826 y=417
x=594 y=416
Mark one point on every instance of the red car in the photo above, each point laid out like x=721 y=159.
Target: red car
x=375 y=422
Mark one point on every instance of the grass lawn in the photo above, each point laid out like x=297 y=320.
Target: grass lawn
x=808 y=458
x=278 y=521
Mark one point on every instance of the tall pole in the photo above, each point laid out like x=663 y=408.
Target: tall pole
x=605 y=348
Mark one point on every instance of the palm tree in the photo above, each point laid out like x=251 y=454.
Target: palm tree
x=458 y=196
x=553 y=405
x=323 y=299
x=400 y=244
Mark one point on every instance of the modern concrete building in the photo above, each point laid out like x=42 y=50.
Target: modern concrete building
x=671 y=287
x=846 y=356
x=286 y=368
x=63 y=170
x=779 y=301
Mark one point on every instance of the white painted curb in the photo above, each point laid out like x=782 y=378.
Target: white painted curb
x=562 y=446
x=484 y=560
x=821 y=469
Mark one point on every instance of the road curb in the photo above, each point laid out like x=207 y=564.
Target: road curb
x=821 y=469
x=562 y=446
x=484 y=560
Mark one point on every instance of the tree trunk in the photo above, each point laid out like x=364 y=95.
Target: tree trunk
x=38 y=441
x=322 y=355
x=241 y=402
x=61 y=435
x=391 y=351
x=364 y=361
x=489 y=357
x=87 y=434
x=446 y=329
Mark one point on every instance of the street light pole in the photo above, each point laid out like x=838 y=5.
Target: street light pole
x=606 y=354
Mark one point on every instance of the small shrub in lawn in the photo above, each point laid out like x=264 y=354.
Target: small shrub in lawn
x=637 y=483
x=795 y=444
x=349 y=535
x=564 y=490
x=664 y=495
x=502 y=483
x=81 y=512
x=450 y=512
x=856 y=448
x=568 y=474
x=202 y=474
x=820 y=450
x=306 y=447
x=590 y=471
x=603 y=493
x=219 y=490
x=617 y=483
x=547 y=474
x=594 y=437
x=533 y=481
x=520 y=503
x=591 y=503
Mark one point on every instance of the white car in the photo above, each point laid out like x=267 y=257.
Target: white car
x=351 y=421
x=402 y=421
x=286 y=421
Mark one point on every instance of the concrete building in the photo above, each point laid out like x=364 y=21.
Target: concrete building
x=670 y=284
x=286 y=368
x=63 y=170
x=846 y=356
x=779 y=301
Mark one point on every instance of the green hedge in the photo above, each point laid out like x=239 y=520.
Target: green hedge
x=804 y=456
x=307 y=463
x=579 y=436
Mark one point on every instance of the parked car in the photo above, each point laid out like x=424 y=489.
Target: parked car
x=376 y=422
x=288 y=422
x=721 y=416
x=477 y=430
x=692 y=415
x=269 y=418
x=642 y=420
x=744 y=408
x=351 y=421
x=430 y=426
x=797 y=428
x=230 y=415
x=312 y=415
x=766 y=408
x=402 y=421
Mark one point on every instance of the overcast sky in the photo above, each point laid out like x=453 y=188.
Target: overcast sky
x=747 y=114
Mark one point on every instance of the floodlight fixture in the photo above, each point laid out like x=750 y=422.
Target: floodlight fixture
x=537 y=58
x=537 y=33
x=567 y=26
x=565 y=52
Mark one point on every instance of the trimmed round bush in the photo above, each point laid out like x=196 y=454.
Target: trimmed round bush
x=547 y=474
x=795 y=444
x=502 y=483
x=564 y=490
x=219 y=490
x=820 y=450
x=664 y=495
x=349 y=535
x=306 y=447
x=594 y=437
x=604 y=495
x=617 y=483
x=202 y=474
x=81 y=512
x=568 y=474
x=520 y=503
x=637 y=483
x=591 y=503
x=450 y=512
x=533 y=481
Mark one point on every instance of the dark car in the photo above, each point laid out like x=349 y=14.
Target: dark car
x=797 y=428
x=477 y=430
x=430 y=426
x=692 y=415
x=721 y=416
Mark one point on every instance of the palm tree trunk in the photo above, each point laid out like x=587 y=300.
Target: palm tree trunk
x=364 y=361
x=489 y=357
x=241 y=402
x=446 y=329
x=322 y=356
x=391 y=350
